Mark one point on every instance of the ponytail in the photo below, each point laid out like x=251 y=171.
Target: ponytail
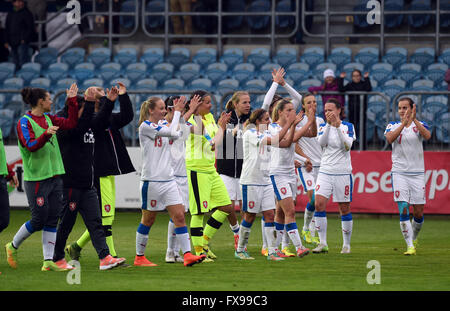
x=31 y=96
x=146 y=106
x=231 y=104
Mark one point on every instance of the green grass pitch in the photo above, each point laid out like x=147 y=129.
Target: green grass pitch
x=373 y=239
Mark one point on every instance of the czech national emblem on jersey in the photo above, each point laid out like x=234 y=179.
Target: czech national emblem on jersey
x=107 y=208
x=415 y=129
x=72 y=206
x=309 y=182
x=153 y=203
x=40 y=201
x=317 y=187
x=283 y=190
x=251 y=204
x=397 y=194
x=205 y=204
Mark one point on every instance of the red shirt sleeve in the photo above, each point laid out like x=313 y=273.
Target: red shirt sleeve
x=27 y=137
x=71 y=121
x=10 y=173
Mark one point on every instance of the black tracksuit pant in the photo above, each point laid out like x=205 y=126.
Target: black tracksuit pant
x=4 y=204
x=84 y=201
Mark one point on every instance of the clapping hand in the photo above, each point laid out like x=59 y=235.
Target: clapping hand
x=179 y=103
x=73 y=91
x=112 y=94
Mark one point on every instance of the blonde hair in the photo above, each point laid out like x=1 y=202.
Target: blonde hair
x=279 y=106
x=97 y=87
x=150 y=103
x=231 y=104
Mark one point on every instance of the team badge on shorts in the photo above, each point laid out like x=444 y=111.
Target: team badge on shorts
x=72 y=206
x=251 y=204
x=283 y=190
x=153 y=203
x=107 y=208
x=40 y=201
x=397 y=194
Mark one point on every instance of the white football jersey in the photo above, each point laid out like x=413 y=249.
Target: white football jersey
x=178 y=150
x=281 y=159
x=256 y=164
x=335 y=159
x=407 y=149
x=155 y=141
x=310 y=145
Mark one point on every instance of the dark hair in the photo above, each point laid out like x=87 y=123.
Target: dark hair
x=358 y=71
x=303 y=99
x=275 y=98
x=408 y=99
x=200 y=93
x=169 y=100
x=334 y=101
x=31 y=96
x=254 y=116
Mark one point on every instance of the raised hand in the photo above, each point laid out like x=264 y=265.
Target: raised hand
x=122 y=88
x=195 y=102
x=278 y=75
x=179 y=103
x=112 y=94
x=342 y=75
x=366 y=75
x=73 y=91
x=224 y=119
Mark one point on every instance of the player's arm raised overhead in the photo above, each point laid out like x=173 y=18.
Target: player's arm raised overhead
x=277 y=77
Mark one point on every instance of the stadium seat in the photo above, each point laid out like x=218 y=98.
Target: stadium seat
x=64 y=84
x=46 y=57
x=57 y=71
x=109 y=71
x=443 y=128
x=305 y=84
x=13 y=83
x=297 y=72
x=124 y=81
x=73 y=56
x=188 y=72
x=436 y=105
x=423 y=85
x=367 y=57
x=136 y=71
x=284 y=21
x=2 y=100
x=396 y=56
x=257 y=22
x=393 y=87
x=83 y=71
x=393 y=20
x=227 y=85
x=128 y=6
x=265 y=73
x=340 y=56
x=243 y=72
x=285 y=56
x=236 y=21
x=313 y=56
x=153 y=6
x=381 y=72
x=320 y=68
x=161 y=72
x=348 y=68
x=445 y=57
x=178 y=56
x=259 y=57
x=152 y=56
x=7 y=70
x=28 y=72
x=204 y=57
x=216 y=72
x=423 y=57
x=255 y=85
x=232 y=56
x=201 y=84
x=126 y=56
x=376 y=104
x=99 y=56
x=146 y=85
x=173 y=85
x=419 y=20
x=409 y=72
x=6 y=121
x=93 y=82
x=43 y=83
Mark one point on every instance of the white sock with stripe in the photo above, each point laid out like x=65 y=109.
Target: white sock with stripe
x=183 y=239
x=171 y=236
x=48 y=242
x=141 y=239
x=321 y=226
x=292 y=231
x=269 y=232
x=24 y=232
x=264 y=238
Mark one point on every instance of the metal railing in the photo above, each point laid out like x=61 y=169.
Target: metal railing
x=382 y=35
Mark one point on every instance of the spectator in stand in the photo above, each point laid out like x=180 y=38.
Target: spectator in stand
x=39 y=10
x=181 y=6
x=19 y=33
x=4 y=51
x=354 y=104
x=330 y=85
